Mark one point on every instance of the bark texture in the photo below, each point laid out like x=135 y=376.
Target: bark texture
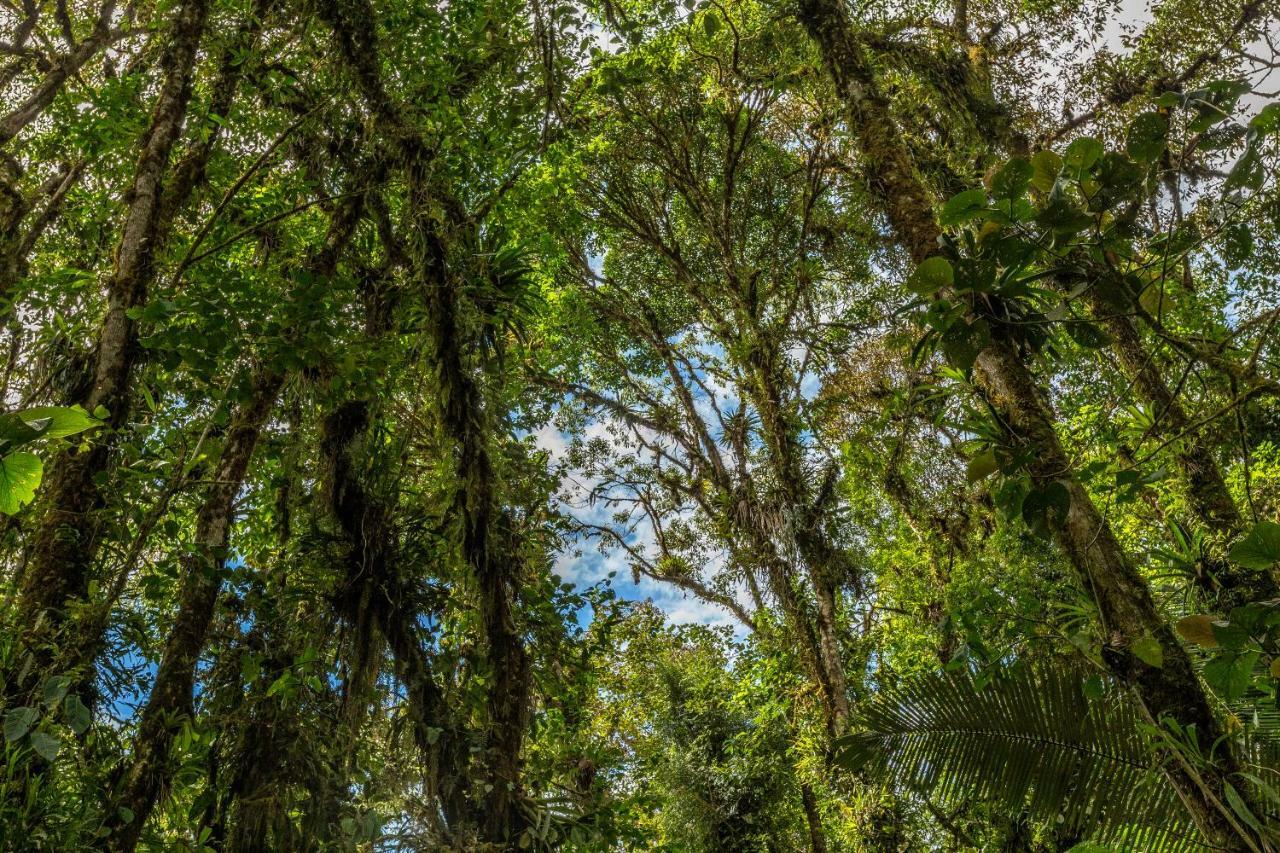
x=65 y=542
x=1126 y=609
x=148 y=772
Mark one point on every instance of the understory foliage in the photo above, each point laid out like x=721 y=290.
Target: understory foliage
x=740 y=425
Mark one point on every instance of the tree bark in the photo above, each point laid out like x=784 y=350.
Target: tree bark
x=65 y=542
x=65 y=67
x=486 y=548
x=813 y=817
x=148 y=772
x=1126 y=609
x=1207 y=495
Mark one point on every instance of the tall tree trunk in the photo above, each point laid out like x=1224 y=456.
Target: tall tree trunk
x=464 y=424
x=66 y=540
x=486 y=547
x=371 y=581
x=1126 y=608
x=373 y=598
x=813 y=817
x=169 y=705
x=804 y=507
x=141 y=783
x=1207 y=495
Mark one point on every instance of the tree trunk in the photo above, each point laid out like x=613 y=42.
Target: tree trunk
x=492 y=559
x=65 y=542
x=817 y=837
x=1126 y=609
x=169 y=705
x=1207 y=494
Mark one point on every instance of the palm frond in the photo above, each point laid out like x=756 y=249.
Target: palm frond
x=1029 y=739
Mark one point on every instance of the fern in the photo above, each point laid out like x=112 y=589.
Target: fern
x=1029 y=740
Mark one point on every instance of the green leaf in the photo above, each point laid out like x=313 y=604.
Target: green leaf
x=1230 y=674
x=962 y=342
x=20 y=475
x=1214 y=103
x=283 y=683
x=1013 y=178
x=1081 y=154
x=46 y=745
x=1044 y=507
x=1242 y=811
x=16 y=430
x=711 y=23
x=1146 y=140
x=55 y=687
x=1260 y=549
x=1149 y=651
x=1087 y=335
x=963 y=207
x=1248 y=172
x=1047 y=165
x=1267 y=121
x=63 y=420
x=981 y=466
x=933 y=274
x=78 y=717
x=18 y=721
x=1229 y=635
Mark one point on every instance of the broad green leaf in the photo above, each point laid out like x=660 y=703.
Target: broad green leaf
x=1042 y=508
x=1146 y=139
x=1087 y=335
x=1230 y=674
x=962 y=342
x=1047 y=165
x=962 y=207
x=1249 y=172
x=1229 y=635
x=16 y=430
x=63 y=420
x=981 y=466
x=46 y=745
x=78 y=716
x=20 y=475
x=55 y=687
x=1214 y=103
x=1267 y=121
x=1082 y=153
x=1012 y=179
x=1149 y=651
x=1260 y=549
x=18 y=721
x=933 y=274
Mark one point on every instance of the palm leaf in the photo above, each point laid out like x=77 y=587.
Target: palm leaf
x=1028 y=740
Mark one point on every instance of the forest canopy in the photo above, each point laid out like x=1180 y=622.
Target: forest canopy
x=733 y=425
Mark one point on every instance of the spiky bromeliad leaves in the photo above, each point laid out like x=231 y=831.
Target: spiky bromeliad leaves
x=1031 y=740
